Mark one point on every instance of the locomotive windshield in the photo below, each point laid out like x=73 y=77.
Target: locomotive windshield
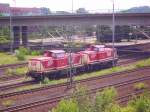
x=58 y=55
x=98 y=49
x=55 y=53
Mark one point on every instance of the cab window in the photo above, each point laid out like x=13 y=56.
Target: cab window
x=98 y=49
x=58 y=55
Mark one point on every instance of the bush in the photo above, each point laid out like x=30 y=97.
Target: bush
x=114 y=108
x=66 y=106
x=83 y=99
x=103 y=102
x=139 y=86
x=141 y=103
x=20 y=56
x=35 y=53
x=3 y=40
x=104 y=99
x=128 y=109
x=24 y=50
x=21 y=52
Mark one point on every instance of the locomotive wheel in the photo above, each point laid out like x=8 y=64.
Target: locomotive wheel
x=115 y=63
x=96 y=67
x=110 y=64
x=55 y=75
x=42 y=77
x=39 y=77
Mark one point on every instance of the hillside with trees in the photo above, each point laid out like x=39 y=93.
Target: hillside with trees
x=142 y=9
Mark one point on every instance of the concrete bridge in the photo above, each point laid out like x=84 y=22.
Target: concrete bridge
x=79 y=19
x=20 y=23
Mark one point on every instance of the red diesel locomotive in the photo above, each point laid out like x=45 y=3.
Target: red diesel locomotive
x=57 y=62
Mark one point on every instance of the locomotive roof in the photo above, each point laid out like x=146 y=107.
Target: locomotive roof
x=41 y=58
x=99 y=46
x=87 y=51
x=56 y=51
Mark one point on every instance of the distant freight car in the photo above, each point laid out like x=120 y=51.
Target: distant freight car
x=57 y=62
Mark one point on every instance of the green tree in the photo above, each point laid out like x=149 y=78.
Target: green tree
x=21 y=53
x=4 y=34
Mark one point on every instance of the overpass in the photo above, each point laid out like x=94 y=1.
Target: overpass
x=20 y=23
x=78 y=19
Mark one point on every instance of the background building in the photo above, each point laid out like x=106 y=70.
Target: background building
x=5 y=10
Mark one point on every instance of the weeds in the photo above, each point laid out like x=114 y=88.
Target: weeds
x=7 y=103
x=17 y=71
x=139 y=86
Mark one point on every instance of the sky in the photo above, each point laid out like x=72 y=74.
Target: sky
x=66 y=5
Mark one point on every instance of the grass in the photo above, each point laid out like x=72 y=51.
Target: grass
x=140 y=85
x=7 y=59
x=21 y=70
x=7 y=103
x=143 y=63
x=103 y=72
x=17 y=71
x=11 y=59
x=30 y=57
x=28 y=87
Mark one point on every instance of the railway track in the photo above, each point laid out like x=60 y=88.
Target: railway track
x=4 y=68
x=53 y=100
x=129 y=52
x=94 y=83
x=12 y=65
x=129 y=59
x=139 y=47
x=21 y=84
x=16 y=85
x=123 y=100
x=124 y=61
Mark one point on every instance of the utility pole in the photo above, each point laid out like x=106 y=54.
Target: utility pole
x=70 y=54
x=113 y=31
x=10 y=31
x=70 y=60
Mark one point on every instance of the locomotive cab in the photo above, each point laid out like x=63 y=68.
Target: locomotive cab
x=104 y=52
x=60 y=58
x=88 y=56
x=55 y=53
x=97 y=47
